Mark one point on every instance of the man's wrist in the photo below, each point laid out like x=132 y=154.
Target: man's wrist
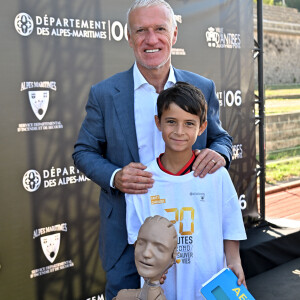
x=112 y=178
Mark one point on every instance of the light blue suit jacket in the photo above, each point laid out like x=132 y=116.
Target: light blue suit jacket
x=107 y=141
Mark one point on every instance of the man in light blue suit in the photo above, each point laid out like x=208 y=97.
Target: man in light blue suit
x=118 y=136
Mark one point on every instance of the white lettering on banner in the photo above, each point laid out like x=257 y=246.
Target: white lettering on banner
x=72 y=23
x=237 y=151
x=76 y=28
x=40 y=126
x=45 y=230
x=51 y=268
x=217 y=38
x=230 y=98
x=38 y=84
x=117 y=31
x=98 y=297
x=56 y=172
x=243 y=202
x=178 y=18
x=178 y=51
x=51 y=178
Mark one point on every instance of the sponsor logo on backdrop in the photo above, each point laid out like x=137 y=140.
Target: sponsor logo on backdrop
x=217 y=38
x=243 y=202
x=39 y=101
x=24 y=24
x=33 y=180
x=230 y=98
x=98 y=297
x=178 y=51
x=38 y=95
x=76 y=28
x=50 y=245
x=237 y=151
x=50 y=238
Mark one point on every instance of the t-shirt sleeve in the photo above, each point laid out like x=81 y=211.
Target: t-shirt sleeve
x=133 y=223
x=233 y=225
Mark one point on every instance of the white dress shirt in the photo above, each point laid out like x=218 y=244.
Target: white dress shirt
x=149 y=138
x=150 y=142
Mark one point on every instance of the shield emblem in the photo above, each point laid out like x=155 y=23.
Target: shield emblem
x=39 y=101
x=50 y=245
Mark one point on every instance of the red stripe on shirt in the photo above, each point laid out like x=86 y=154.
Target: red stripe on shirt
x=187 y=168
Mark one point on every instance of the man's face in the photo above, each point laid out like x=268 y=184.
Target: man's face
x=152 y=36
x=154 y=250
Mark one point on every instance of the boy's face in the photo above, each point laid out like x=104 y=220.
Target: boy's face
x=154 y=250
x=179 y=128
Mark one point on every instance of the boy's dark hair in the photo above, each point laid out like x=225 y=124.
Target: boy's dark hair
x=186 y=96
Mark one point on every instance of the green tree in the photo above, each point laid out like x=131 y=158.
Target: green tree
x=293 y=3
x=288 y=3
x=268 y=2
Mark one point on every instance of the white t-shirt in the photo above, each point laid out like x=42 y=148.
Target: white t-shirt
x=205 y=212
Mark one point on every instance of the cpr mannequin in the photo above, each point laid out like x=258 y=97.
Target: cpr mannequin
x=155 y=252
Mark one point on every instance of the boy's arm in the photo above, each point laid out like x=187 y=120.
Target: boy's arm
x=232 y=253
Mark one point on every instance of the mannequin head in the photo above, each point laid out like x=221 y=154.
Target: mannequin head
x=155 y=249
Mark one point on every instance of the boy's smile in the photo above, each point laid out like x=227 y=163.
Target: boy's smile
x=179 y=128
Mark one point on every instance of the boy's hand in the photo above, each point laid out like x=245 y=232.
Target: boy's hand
x=238 y=271
x=132 y=179
x=207 y=161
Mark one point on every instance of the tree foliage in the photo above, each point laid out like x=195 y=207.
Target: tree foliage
x=289 y=3
x=268 y=2
x=293 y=3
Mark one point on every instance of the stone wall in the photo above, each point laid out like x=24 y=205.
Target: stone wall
x=281 y=28
x=282 y=131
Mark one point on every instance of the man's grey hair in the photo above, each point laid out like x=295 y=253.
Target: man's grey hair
x=148 y=3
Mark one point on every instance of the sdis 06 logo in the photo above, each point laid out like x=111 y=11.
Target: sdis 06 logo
x=230 y=98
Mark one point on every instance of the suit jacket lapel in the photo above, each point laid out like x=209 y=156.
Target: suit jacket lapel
x=124 y=105
x=179 y=75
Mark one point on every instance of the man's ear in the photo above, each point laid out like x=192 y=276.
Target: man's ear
x=202 y=128
x=157 y=122
x=129 y=39
x=175 y=36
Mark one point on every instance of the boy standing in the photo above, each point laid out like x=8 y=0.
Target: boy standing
x=205 y=212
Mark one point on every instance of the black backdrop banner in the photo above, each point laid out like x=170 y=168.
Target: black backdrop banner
x=51 y=53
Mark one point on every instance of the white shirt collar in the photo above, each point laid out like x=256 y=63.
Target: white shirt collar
x=139 y=79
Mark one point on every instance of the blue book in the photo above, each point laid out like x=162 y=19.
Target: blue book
x=223 y=286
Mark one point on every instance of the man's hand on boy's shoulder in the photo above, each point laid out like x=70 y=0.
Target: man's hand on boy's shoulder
x=132 y=179
x=207 y=161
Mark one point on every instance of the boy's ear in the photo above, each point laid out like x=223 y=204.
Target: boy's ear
x=202 y=128
x=157 y=122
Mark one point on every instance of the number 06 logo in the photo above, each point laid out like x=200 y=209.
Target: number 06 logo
x=182 y=211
